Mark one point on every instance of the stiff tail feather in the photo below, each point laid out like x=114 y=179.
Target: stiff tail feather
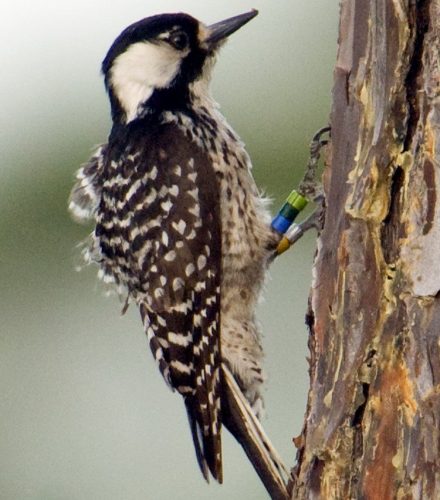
x=197 y=439
x=207 y=445
x=241 y=421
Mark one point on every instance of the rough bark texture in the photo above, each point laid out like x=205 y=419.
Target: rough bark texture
x=372 y=428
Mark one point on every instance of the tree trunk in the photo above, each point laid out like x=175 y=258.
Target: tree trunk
x=372 y=427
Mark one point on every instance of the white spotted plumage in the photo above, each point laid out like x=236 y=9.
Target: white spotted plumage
x=181 y=226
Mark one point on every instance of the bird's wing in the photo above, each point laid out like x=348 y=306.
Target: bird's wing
x=86 y=192
x=169 y=214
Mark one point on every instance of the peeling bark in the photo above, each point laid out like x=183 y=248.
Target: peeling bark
x=372 y=427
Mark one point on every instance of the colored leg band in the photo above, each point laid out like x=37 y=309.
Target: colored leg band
x=291 y=208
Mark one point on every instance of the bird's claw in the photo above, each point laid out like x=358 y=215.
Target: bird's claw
x=309 y=187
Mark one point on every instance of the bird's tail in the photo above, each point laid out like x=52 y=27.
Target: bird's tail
x=240 y=420
x=207 y=443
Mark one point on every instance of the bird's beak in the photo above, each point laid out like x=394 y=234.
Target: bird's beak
x=221 y=30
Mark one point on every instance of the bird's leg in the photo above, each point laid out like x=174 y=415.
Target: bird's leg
x=296 y=231
x=309 y=189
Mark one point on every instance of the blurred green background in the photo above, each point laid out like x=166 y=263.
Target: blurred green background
x=84 y=412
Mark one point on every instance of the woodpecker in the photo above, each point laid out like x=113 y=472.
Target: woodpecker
x=182 y=230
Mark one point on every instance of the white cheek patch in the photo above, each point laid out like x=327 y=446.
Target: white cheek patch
x=141 y=69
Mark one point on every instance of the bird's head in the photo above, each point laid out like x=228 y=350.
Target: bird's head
x=155 y=64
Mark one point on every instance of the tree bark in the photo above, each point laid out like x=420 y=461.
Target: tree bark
x=372 y=427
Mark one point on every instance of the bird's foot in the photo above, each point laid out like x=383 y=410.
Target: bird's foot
x=309 y=189
x=309 y=186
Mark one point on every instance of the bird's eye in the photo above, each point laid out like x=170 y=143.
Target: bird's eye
x=179 y=40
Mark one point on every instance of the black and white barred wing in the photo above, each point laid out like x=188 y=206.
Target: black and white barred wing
x=159 y=233
x=86 y=193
